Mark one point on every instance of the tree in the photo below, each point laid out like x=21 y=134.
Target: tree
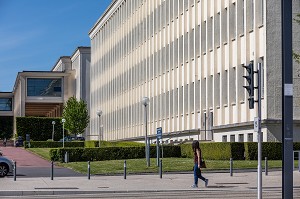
x=76 y=115
x=296 y=55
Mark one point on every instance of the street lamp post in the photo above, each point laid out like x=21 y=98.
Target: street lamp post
x=63 y=121
x=99 y=113
x=53 y=123
x=145 y=102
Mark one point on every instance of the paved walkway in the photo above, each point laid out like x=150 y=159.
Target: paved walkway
x=31 y=165
x=244 y=182
x=23 y=157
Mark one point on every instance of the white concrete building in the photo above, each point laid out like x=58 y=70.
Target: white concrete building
x=187 y=57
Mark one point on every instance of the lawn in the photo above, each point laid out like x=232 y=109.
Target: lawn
x=139 y=165
x=42 y=152
x=169 y=165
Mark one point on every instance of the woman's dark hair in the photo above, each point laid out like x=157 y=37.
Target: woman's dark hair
x=195 y=145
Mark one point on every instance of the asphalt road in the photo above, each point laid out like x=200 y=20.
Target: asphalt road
x=31 y=165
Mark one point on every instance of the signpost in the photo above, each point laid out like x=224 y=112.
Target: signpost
x=158 y=138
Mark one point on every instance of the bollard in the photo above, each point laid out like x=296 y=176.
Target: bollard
x=231 y=167
x=89 y=170
x=66 y=157
x=266 y=166
x=15 y=170
x=125 y=169
x=52 y=170
x=160 y=168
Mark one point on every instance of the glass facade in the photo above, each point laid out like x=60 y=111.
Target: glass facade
x=48 y=87
x=5 y=104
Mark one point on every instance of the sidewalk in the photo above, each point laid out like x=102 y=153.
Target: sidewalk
x=243 y=181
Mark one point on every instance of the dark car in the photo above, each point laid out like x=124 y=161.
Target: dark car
x=80 y=138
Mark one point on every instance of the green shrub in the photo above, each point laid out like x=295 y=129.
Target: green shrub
x=39 y=128
x=95 y=143
x=216 y=150
x=109 y=153
x=51 y=144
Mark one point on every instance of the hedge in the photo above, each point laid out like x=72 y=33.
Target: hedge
x=110 y=153
x=50 y=144
x=93 y=144
x=216 y=150
x=271 y=150
x=39 y=128
x=237 y=150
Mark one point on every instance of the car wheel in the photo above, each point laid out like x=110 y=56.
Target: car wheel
x=3 y=169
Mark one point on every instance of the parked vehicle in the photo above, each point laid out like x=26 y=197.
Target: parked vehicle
x=6 y=166
x=80 y=138
x=66 y=139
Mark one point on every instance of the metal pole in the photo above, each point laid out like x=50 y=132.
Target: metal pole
x=287 y=99
x=160 y=168
x=125 y=169
x=89 y=170
x=99 y=129
x=52 y=170
x=146 y=139
x=266 y=166
x=157 y=152
x=15 y=170
x=231 y=167
x=259 y=134
x=148 y=150
x=204 y=126
x=63 y=135
x=53 y=132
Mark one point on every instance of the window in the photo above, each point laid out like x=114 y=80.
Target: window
x=203 y=37
x=224 y=138
x=217 y=30
x=224 y=26
x=225 y=87
x=232 y=138
x=217 y=89
x=210 y=33
x=250 y=14
x=5 y=104
x=250 y=137
x=262 y=77
x=44 y=87
x=241 y=137
x=232 y=21
x=240 y=17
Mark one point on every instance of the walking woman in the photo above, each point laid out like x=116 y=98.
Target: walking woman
x=197 y=168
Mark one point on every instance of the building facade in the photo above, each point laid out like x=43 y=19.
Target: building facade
x=187 y=57
x=43 y=93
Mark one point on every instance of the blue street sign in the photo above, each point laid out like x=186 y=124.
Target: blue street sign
x=159 y=132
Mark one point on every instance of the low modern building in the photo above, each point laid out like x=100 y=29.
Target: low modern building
x=43 y=93
x=187 y=57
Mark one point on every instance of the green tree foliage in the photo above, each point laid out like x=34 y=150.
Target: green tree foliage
x=76 y=115
x=297 y=55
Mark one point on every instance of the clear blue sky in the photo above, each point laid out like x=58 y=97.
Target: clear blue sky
x=35 y=33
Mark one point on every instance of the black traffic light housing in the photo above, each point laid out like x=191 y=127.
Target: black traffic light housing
x=250 y=86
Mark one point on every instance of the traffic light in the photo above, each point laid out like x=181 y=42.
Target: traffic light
x=250 y=86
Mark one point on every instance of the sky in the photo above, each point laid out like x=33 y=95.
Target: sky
x=34 y=34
